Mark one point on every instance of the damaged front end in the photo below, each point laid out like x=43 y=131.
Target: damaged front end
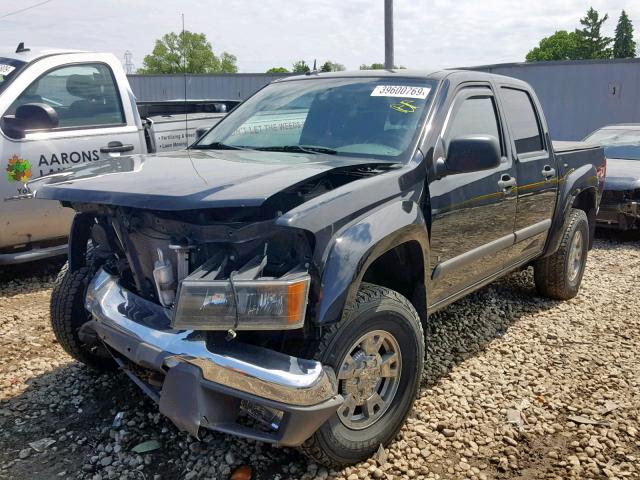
x=207 y=287
x=207 y=317
x=620 y=209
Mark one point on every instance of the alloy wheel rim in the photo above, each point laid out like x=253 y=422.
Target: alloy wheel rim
x=368 y=377
x=575 y=256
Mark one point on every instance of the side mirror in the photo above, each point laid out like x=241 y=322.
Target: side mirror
x=472 y=153
x=30 y=116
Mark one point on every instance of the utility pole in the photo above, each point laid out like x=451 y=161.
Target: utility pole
x=388 y=34
x=129 y=67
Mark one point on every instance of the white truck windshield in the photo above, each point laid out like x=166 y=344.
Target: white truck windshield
x=349 y=116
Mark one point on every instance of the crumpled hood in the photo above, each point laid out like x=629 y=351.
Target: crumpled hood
x=186 y=179
x=622 y=174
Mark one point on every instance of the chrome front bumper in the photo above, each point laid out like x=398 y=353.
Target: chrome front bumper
x=139 y=330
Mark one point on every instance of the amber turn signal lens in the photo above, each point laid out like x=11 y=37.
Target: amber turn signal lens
x=296 y=302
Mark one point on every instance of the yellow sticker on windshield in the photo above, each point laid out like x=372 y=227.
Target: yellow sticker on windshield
x=405 y=106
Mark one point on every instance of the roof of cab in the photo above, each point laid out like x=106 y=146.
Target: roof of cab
x=33 y=53
x=434 y=74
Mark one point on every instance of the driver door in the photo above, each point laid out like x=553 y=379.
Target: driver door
x=91 y=123
x=473 y=213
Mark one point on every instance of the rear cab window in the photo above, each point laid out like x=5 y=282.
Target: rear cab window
x=523 y=121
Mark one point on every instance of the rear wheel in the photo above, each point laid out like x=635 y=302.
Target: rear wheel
x=559 y=275
x=68 y=315
x=377 y=352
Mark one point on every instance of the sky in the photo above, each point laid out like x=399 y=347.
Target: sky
x=268 y=33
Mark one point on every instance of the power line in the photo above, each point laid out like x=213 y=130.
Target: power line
x=24 y=9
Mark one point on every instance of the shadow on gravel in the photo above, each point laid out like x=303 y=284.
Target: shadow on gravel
x=76 y=406
x=618 y=236
x=468 y=326
x=48 y=267
x=85 y=403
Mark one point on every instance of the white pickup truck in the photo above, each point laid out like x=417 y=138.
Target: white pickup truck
x=62 y=108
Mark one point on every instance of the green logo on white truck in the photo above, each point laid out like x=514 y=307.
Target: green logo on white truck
x=18 y=169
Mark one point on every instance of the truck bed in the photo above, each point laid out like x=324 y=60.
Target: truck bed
x=574 y=155
x=566 y=147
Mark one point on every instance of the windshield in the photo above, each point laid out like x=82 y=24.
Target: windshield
x=9 y=68
x=622 y=143
x=373 y=117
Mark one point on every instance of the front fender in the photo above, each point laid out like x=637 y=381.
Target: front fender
x=358 y=244
x=572 y=184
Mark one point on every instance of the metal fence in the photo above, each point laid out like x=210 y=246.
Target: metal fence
x=152 y=88
x=579 y=97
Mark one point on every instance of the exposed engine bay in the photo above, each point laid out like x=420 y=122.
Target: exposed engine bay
x=134 y=243
x=222 y=269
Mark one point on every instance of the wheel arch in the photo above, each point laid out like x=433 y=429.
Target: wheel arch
x=395 y=231
x=579 y=185
x=401 y=269
x=587 y=201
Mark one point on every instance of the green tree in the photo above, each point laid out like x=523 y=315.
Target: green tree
x=330 y=66
x=379 y=66
x=278 y=70
x=562 y=45
x=592 y=44
x=228 y=63
x=300 y=67
x=624 y=46
x=186 y=52
x=373 y=66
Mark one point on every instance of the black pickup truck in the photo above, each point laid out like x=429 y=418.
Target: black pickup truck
x=273 y=280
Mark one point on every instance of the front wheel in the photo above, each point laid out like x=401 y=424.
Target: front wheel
x=558 y=276
x=377 y=352
x=68 y=315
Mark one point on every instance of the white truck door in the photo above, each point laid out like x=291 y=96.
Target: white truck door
x=97 y=119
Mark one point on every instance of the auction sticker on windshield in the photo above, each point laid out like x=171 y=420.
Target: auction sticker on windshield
x=404 y=91
x=6 y=69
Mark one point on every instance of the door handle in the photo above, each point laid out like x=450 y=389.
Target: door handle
x=507 y=182
x=548 y=172
x=116 y=147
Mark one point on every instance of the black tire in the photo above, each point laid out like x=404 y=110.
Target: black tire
x=553 y=274
x=375 y=308
x=68 y=315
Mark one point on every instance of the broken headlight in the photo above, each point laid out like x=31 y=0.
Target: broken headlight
x=239 y=304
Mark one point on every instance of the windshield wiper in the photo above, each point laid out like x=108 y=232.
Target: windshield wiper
x=220 y=146
x=299 y=148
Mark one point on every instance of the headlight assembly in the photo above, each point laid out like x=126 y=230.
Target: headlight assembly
x=238 y=304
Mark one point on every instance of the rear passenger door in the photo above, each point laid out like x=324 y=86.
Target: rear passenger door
x=535 y=169
x=473 y=213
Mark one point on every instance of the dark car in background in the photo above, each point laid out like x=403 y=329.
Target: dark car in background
x=619 y=206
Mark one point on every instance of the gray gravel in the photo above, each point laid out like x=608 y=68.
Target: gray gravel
x=515 y=386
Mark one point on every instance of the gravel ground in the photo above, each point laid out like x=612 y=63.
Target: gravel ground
x=515 y=386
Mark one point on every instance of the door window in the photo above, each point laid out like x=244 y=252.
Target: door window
x=475 y=116
x=522 y=120
x=82 y=95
